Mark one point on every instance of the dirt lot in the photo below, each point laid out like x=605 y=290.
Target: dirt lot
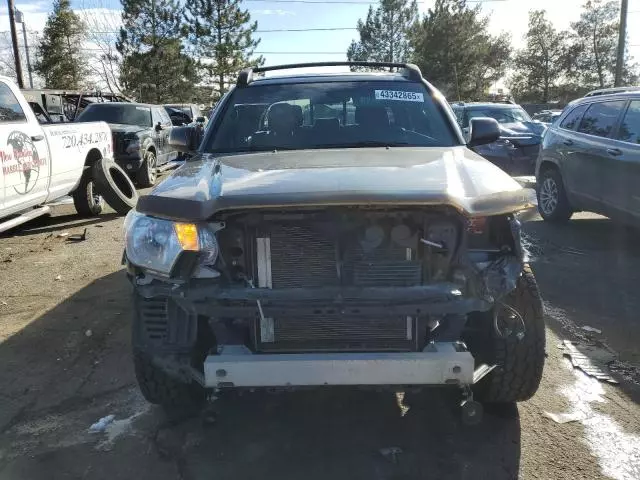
x=64 y=349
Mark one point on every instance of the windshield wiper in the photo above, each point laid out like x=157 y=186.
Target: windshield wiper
x=363 y=144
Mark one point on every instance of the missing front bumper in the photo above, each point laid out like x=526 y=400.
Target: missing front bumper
x=439 y=364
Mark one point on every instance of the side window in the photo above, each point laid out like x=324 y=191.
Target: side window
x=630 y=127
x=600 y=118
x=571 y=121
x=10 y=110
x=166 y=120
x=156 y=116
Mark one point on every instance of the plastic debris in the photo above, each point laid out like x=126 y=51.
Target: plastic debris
x=62 y=235
x=590 y=359
x=88 y=333
x=587 y=328
x=102 y=424
x=565 y=417
x=78 y=237
x=58 y=277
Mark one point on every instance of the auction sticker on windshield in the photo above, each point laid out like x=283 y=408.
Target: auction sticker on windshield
x=399 y=95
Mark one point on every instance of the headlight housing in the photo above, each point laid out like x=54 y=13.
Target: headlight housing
x=155 y=244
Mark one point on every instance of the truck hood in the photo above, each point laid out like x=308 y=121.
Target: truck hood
x=123 y=128
x=455 y=176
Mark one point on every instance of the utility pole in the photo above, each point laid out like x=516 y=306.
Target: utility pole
x=622 y=38
x=14 y=41
x=20 y=19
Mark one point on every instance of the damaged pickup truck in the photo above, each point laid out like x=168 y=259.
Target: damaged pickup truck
x=364 y=246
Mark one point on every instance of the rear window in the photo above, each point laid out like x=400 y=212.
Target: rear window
x=600 y=118
x=571 y=121
x=501 y=115
x=122 y=114
x=330 y=115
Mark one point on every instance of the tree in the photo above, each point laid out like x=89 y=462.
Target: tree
x=384 y=36
x=60 y=59
x=540 y=64
x=154 y=66
x=594 y=39
x=454 y=50
x=221 y=35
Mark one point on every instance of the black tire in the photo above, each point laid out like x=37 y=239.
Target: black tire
x=115 y=186
x=553 y=203
x=86 y=199
x=520 y=362
x=178 y=399
x=147 y=176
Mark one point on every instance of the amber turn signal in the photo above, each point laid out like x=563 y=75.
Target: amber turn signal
x=187 y=234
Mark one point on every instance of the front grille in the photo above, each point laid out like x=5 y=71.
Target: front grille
x=333 y=330
x=304 y=256
x=119 y=144
x=317 y=254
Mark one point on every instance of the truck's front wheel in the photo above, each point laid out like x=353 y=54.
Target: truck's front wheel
x=519 y=361
x=178 y=398
x=86 y=199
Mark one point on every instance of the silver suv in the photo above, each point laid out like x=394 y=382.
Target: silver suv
x=590 y=160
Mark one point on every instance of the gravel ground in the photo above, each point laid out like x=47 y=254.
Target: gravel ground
x=64 y=348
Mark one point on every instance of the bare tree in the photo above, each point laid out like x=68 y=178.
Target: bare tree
x=103 y=25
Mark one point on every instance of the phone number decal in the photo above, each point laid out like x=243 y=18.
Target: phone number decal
x=79 y=140
x=399 y=95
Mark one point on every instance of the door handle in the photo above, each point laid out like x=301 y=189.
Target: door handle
x=614 y=151
x=37 y=138
x=568 y=142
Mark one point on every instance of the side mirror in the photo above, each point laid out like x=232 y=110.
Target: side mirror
x=185 y=139
x=158 y=127
x=483 y=131
x=201 y=119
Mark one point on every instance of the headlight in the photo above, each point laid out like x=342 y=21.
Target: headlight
x=155 y=244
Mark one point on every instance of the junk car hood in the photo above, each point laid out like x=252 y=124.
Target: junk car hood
x=523 y=132
x=455 y=176
x=122 y=128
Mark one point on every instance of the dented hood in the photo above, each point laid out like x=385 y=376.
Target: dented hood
x=455 y=176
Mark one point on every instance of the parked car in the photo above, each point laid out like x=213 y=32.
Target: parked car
x=590 y=160
x=140 y=137
x=184 y=114
x=42 y=163
x=611 y=90
x=373 y=250
x=547 y=116
x=517 y=148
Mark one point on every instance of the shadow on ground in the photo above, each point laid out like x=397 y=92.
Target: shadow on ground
x=52 y=368
x=48 y=224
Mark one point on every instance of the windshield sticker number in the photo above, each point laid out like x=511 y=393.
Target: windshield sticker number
x=398 y=95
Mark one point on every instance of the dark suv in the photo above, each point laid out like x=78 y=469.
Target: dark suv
x=517 y=148
x=140 y=137
x=334 y=229
x=590 y=160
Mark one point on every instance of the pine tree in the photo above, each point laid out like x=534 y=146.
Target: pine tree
x=155 y=67
x=60 y=58
x=456 y=52
x=540 y=65
x=384 y=35
x=221 y=35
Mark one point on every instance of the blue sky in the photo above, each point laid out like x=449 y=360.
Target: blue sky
x=507 y=15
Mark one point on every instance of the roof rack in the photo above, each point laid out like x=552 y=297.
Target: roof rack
x=411 y=71
x=610 y=91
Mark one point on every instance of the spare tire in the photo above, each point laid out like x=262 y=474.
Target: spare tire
x=115 y=186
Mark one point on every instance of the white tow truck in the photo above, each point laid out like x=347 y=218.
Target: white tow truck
x=41 y=163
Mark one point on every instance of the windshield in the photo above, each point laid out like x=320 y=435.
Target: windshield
x=178 y=109
x=330 y=115
x=502 y=115
x=123 y=114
